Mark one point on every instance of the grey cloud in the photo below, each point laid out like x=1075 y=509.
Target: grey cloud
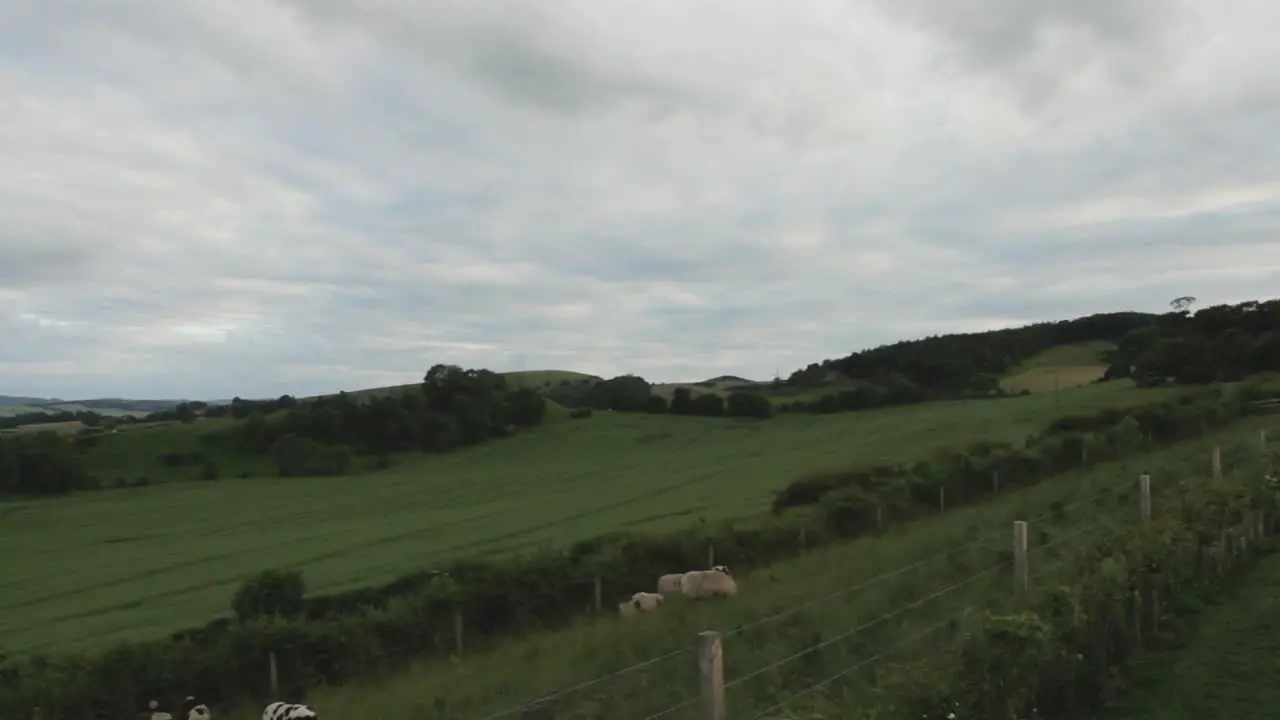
x=256 y=200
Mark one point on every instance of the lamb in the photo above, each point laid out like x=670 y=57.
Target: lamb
x=288 y=711
x=717 y=581
x=640 y=602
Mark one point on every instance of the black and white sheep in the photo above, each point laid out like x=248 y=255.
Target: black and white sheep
x=288 y=711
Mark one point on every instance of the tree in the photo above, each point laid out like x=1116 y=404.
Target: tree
x=682 y=401
x=1182 y=304
x=270 y=593
x=625 y=393
x=750 y=405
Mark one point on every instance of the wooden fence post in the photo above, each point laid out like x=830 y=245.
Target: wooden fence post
x=1144 y=497
x=995 y=481
x=711 y=674
x=457 y=629
x=1217 y=462
x=599 y=600
x=942 y=499
x=273 y=675
x=879 y=516
x=1021 y=573
x=711 y=556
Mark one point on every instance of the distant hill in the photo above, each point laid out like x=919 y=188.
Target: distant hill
x=18 y=405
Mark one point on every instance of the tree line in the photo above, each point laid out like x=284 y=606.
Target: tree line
x=454 y=408
x=1223 y=343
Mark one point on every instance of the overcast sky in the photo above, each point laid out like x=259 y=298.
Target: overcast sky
x=208 y=198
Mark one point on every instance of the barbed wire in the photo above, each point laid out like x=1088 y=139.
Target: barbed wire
x=864 y=626
x=862 y=663
x=588 y=683
x=756 y=623
x=831 y=596
x=862 y=585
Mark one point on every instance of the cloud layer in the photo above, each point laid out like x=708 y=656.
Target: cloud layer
x=207 y=199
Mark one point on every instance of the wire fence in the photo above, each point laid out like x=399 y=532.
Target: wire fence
x=1056 y=541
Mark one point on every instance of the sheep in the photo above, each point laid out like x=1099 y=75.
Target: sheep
x=640 y=602
x=154 y=712
x=196 y=711
x=669 y=584
x=288 y=711
x=717 y=581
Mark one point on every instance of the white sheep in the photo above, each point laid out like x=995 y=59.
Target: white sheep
x=717 y=581
x=669 y=584
x=640 y=602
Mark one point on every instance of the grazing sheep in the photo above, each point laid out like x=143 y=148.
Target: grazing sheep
x=288 y=711
x=718 y=581
x=640 y=602
x=154 y=712
x=195 y=710
x=670 y=584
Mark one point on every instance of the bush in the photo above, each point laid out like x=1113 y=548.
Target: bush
x=270 y=593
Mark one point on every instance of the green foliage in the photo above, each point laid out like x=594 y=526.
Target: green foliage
x=299 y=456
x=41 y=463
x=270 y=593
x=748 y=405
x=1069 y=442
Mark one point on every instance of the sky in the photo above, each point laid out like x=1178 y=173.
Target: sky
x=201 y=199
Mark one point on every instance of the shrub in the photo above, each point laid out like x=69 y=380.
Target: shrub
x=270 y=593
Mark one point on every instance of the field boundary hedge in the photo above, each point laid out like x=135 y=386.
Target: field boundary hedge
x=339 y=637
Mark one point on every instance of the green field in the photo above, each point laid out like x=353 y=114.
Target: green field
x=98 y=568
x=1062 y=367
x=837 y=596
x=1227 y=670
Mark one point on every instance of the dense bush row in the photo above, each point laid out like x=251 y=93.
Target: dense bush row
x=332 y=638
x=455 y=408
x=858 y=500
x=1064 y=656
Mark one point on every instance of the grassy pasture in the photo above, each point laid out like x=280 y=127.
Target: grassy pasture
x=142 y=562
x=1066 y=365
x=1228 y=668
x=504 y=676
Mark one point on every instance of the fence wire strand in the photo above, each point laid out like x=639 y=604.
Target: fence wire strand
x=826 y=598
x=861 y=663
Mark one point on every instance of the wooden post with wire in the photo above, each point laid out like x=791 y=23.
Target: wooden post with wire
x=803 y=539
x=457 y=629
x=599 y=598
x=1217 y=462
x=711 y=555
x=711 y=674
x=1144 y=497
x=273 y=675
x=942 y=499
x=1021 y=573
